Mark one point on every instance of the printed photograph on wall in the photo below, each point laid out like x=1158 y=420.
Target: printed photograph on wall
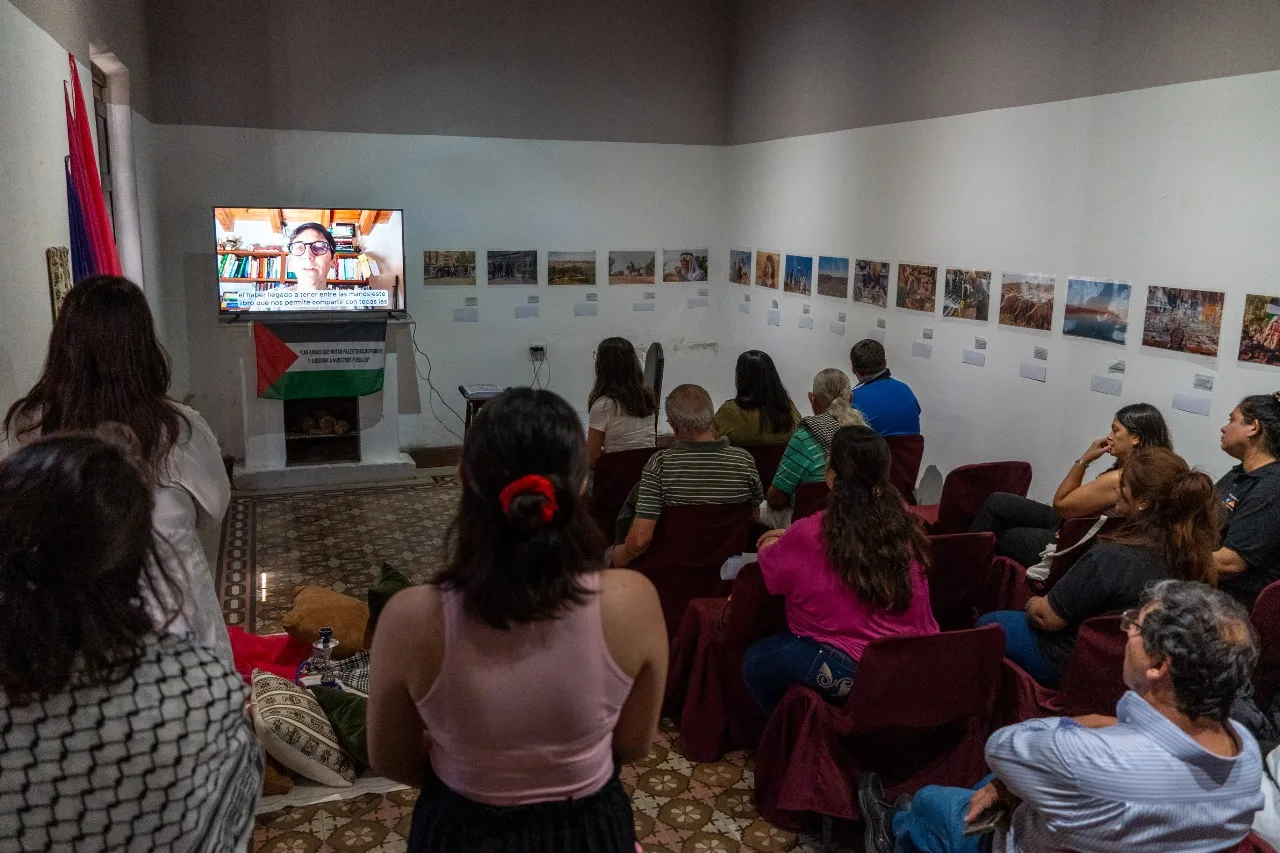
x=1026 y=300
x=917 y=287
x=871 y=282
x=1183 y=320
x=627 y=267
x=571 y=267
x=740 y=266
x=967 y=294
x=513 y=267
x=798 y=277
x=833 y=277
x=445 y=267
x=1260 y=333
x=58 y=260
x=684 y=264
x=768 y=269
x=1097 y=309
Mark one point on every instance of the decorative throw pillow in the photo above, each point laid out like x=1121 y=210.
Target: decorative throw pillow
x=391 y=582
x=353 y=673
x=295 y=731
x=316 y=607
x=346 y=713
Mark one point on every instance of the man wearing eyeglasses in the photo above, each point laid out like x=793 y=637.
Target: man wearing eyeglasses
x=311 y=253
x=1171 y=771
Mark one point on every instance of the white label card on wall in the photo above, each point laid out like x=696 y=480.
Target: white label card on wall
x=805 y=309
x=698 y=302
x=704 y=291
x=774 y=318
x=586 y=309
x=921 y=350
x=593 y=297
x=471 y=301
x=927 y=334
x=649 y=294
x=643 y=306
x=841 y=317
x=533 y=300
x=1041 y=353
x=876 y=335
x=775 y=303
x=806 y=322
x=746 y=297
x=744 y=308
x=466 y=315
x=1116 y=366
x=1202 y=382
x=880 y=324
x=1192 y=403
x=1106 y=385
x=526 y=312
x=1031 y=370
x=979 y=343
x=836 y=328
x=972 y=356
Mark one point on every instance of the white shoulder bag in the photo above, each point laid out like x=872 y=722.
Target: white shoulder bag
x=1040 y=571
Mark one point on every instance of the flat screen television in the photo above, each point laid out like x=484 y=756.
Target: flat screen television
x=308 y=259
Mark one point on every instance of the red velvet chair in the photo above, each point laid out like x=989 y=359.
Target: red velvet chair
x=959 y=578
x=615 y=475
x=689 y=546
x=768 y=457
x=810 y=498
x=705 y=692
x=905 y=452
x=1266 y=621
x=1092 y=682
x=1254 y=843
x=967 y=488
x=919 y=714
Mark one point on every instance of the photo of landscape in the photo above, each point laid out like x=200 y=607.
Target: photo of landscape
x=1097 y=309
x=1183 y=320
x=632 y=267
x=571 y=267
x=833 y=277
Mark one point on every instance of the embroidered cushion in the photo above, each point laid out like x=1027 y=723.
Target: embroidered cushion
x=294 y=730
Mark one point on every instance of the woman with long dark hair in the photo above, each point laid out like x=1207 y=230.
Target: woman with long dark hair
x=507 y=686
x=117 y=734
x=761 y=413
x=1024 y=528
x=1170 y=531
x=1249 y=499
x=622 y=407
x=850 y=574
x=106 y=365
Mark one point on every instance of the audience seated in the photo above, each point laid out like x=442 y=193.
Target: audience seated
x=1169 y=772
x=622 y=408
x=1169 y=532
x=1024 y=528
x=1249 y=558
x=888 y=404
x=507 y=687
x=850 y=574
x=804 y=460
x=762 y=412
x=698 y=469
x=105 y=364
x=114 y=733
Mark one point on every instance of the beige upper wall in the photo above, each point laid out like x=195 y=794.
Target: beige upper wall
x=118 y=26
x=533 y=69
x=810 y=66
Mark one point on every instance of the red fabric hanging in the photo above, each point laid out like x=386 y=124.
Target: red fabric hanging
x=84 y=174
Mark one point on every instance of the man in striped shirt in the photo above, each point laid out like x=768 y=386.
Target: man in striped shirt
x=699 y=468
x=1171 y=771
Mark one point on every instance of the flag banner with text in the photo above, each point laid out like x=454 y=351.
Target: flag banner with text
x=301 y=361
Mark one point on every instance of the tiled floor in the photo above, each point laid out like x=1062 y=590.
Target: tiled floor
x=340 y=539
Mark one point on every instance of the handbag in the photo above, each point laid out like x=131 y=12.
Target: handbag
x=1040 y=571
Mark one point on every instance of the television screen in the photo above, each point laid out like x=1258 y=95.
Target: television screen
x=309 y=259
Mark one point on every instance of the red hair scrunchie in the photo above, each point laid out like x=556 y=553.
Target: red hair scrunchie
x=531 y=484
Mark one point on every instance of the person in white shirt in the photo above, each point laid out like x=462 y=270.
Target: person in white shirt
x=106 y=366
x=622 y=408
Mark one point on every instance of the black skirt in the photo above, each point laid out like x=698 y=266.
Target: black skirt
x=444 y=820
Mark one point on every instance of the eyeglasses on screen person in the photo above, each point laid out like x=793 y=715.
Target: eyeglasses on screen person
x=319 y=248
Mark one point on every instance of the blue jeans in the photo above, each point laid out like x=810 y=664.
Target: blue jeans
x=935 y=822
x=775 y=663
x=1020 y=645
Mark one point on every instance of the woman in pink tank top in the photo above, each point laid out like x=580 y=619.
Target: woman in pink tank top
x=511 y=687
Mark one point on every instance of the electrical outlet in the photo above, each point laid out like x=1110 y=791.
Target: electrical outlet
x=537 y=352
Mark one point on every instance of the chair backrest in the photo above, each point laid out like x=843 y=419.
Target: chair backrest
x=1266 y=620
x=1093 y=680
x=967 y=488
x=1070 y=532
x=615 y=475
x=768 y=457
x=1253 y=843
x=653 y=366
x=810 y=498
x=905 y=453
x=689 y=546
x=927 y=681
x=959 y=577
x=754 y=612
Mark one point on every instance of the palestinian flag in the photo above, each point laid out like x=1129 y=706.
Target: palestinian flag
x=300 y=361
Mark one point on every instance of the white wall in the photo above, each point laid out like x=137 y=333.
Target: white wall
x=457 y=193
x=1178 y=186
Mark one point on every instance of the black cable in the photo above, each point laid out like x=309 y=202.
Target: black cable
x=413 y=337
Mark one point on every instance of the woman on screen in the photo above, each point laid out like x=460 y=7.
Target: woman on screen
x=311 y=253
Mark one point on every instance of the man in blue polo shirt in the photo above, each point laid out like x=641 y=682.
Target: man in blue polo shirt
x=887 y=404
